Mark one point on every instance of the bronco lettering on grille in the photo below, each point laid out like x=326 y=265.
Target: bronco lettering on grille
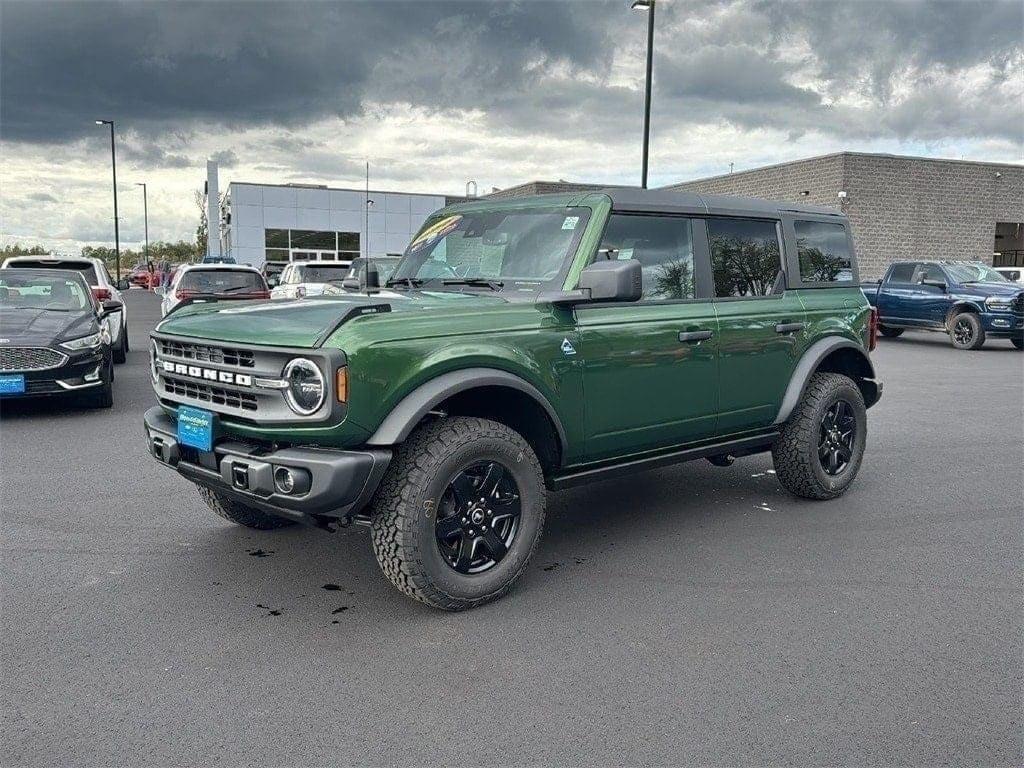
x=208 y=374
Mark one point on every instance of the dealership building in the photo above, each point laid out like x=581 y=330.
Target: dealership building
x=900 y=208
x=299 y=222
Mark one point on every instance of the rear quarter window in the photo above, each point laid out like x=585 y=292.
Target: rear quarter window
x=824 y=252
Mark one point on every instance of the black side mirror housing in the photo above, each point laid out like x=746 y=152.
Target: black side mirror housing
x=123 y=284
x=110 y=306
x=619 y=280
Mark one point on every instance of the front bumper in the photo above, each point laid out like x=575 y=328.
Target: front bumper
x=1002 y=324
x=341 y=482
x=83 y=371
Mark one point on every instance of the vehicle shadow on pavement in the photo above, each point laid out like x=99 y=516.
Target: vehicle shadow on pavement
x=302 y=575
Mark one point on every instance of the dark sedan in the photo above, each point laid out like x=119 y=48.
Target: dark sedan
x=53 y=337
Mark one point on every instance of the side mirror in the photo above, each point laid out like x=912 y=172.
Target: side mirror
x=123 y=284
x=273 y=280
x=604 y=281
x=110 y=306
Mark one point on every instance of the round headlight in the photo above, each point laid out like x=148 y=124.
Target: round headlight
x=306 y=391
x=153 y=370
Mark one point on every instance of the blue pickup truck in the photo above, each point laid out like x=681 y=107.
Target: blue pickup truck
x=967 y=300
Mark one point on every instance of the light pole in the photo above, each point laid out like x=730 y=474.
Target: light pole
x=647 y=5
x=145 y=219
x=113 y=166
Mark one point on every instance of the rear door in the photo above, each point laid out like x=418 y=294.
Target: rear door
x=761 y=324
x=651 y=367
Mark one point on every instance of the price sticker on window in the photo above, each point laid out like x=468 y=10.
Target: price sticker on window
x=570 y=222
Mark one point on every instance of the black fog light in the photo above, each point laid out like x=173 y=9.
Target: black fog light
x=291 y=482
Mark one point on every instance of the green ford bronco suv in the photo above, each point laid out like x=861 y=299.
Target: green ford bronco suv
x=521 y=347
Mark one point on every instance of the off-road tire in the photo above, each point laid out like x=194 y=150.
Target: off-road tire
x=240 y=514
x=977 y=332
x=795 y=453
x=1018 y=343
x=890 y=332
x=406 y=504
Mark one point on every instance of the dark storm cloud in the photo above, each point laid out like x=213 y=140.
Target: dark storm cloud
x=159 y=64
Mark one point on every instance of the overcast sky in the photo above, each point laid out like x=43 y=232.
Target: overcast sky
x=438 y=93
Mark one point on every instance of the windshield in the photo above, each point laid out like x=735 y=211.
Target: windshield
x=974 y=273
x=221 y=281
x=57 y=293
x=319 y=273
x=517 y=250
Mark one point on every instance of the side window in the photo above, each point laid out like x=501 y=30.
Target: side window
x=930 y=272
x=824 y=252
x=664 y=247
x=902 y=273
x=745 y=256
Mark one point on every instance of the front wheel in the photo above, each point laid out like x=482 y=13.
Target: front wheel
x=821 y=447
x=459 y=512
x=965 y=331
x=240 y=514
x=889 y=331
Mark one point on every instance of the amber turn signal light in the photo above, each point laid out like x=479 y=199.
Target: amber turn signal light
x=341 y=384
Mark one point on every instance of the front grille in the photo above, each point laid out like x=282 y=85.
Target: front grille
x=30 y=359
x=230 y=398
x=205 y=353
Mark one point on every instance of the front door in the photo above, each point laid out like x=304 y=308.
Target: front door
x=930 y=303
x=650 y=368
x=761 y=326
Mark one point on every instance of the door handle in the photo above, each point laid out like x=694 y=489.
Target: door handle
x=689 y=336
x=789 y=327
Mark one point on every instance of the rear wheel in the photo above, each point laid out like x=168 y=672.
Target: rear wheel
x=821 y=447
x=459 y=512
x=240 y=514
x=889 y=331
x=965 y=331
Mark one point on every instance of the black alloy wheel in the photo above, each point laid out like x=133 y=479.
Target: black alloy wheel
x=963 y=332
x=836 y=437
x=478 y=517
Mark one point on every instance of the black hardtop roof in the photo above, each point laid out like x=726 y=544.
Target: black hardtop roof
x=679 y=201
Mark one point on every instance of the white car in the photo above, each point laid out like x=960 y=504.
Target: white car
x=104 y=288
x=308 y=278
x=238 y=281
x=1013 y=274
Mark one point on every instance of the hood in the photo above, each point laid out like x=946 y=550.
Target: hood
x=991 y=289
x=41 y=327
x=301 y=322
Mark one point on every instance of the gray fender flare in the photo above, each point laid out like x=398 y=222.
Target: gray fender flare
x=414 y=406
x=810 y=361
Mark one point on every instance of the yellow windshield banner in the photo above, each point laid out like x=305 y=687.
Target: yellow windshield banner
x=435 y=231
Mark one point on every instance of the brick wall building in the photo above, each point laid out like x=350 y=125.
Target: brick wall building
x=900 y=207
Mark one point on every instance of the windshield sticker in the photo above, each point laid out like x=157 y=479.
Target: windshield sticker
x=625 y=253
x=435 y=232
x=570 y=222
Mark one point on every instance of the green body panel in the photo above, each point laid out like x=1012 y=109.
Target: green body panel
x=618 y=377
x=756 y=362
x=645 y=389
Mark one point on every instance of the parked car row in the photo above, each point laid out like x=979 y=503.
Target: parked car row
x=969 y=301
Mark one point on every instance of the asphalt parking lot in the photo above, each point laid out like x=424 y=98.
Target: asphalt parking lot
x=688 y=615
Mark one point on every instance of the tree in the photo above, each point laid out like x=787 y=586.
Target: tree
x=203 y=229
x=17 y=249
x=674 y=280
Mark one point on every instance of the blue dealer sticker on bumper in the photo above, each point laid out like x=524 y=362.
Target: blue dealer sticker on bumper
x=195 y=428
x=12 y=384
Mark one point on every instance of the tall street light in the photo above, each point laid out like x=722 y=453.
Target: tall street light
x=113 y=166
x=647 y=5
x=145 y=215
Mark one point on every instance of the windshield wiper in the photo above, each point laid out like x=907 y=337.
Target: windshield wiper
x=234 y=288
x=476 y=282
x=410 y=282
